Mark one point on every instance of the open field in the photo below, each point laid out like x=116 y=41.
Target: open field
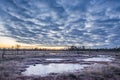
x=59 y=65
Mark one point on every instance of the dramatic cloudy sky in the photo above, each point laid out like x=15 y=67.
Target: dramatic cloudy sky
x=61 y=22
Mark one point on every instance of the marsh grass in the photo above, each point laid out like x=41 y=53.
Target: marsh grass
x=108 y=72
x=9 y=69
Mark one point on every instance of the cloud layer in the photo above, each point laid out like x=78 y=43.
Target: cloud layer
x=61 y=22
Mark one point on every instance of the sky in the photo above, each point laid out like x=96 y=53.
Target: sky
x=94 y=23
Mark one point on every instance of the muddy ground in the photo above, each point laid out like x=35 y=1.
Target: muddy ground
x=13 y=65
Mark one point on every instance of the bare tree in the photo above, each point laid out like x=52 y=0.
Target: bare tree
x=17 y=48
x=3 y=54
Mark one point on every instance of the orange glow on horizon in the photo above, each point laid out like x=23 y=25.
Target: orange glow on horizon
x=6 y=42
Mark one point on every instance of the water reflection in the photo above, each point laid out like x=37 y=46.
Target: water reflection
x=45 y=69
x=56 y=59
x=41 y=69
x=99 y=59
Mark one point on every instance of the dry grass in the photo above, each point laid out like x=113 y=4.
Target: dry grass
x=8 y=70
x=106 y=72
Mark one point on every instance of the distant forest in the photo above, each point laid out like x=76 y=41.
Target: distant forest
x=70 y=48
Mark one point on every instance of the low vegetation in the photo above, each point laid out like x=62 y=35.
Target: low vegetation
x=11 y=61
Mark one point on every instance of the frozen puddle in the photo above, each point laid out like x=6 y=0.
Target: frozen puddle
x=106 y=59
x=43 y=70
x=99 y=58
x=54 y=59
x=46 y=69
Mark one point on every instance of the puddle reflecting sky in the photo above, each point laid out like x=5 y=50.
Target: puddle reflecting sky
x=41 y=69
x=51 y=59
x=45 y=69
x=99 y=59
